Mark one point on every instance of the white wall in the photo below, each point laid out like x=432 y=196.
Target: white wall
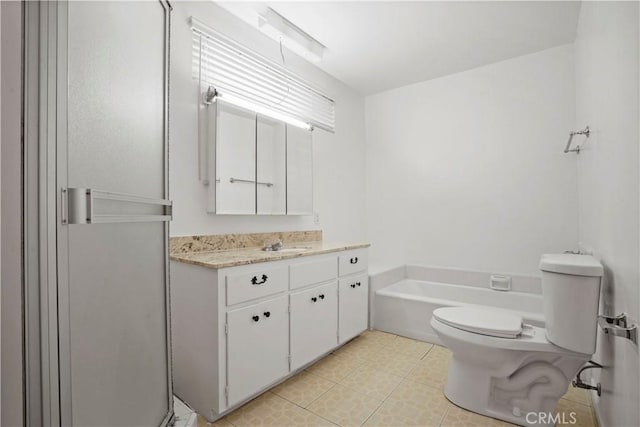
x=467 y=170
x=0 y=210
x=10 y=214
x=607 y=100
x=338 y=158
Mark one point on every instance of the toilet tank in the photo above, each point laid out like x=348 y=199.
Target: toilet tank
x=570 y=297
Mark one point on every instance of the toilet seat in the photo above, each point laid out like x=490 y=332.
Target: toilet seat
x=494 y=323
x=532 y=338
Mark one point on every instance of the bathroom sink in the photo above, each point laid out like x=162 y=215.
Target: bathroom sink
x=295 y=249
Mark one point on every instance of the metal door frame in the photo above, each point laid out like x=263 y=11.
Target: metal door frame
x=47 y=345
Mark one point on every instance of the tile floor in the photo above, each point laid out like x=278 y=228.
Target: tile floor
x=378 y=379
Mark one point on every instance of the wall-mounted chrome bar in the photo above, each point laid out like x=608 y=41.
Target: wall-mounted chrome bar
x=618 y=327
x=268 y=184
x=80 y=207
x=576 y=150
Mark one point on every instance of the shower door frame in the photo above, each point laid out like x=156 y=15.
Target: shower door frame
x=47 y=372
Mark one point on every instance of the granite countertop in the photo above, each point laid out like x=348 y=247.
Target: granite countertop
x=253 y=255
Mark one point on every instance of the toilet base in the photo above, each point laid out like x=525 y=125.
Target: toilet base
x=527 y=396
x=517 y=380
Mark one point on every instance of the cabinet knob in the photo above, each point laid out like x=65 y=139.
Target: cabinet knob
x=254 y=280
x=314 y=299
x=357 y=283
x=354 y=260
x=256 y=318
x=321 y=296
x=267 y=313
x=353 y=285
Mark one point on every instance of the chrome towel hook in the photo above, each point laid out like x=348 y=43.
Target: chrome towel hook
x=576 y=150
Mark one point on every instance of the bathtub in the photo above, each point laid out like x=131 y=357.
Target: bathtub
x=405 y=307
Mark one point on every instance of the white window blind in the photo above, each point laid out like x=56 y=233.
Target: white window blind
x=235 y=70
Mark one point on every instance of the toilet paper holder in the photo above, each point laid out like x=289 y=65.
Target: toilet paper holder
x=619 y=327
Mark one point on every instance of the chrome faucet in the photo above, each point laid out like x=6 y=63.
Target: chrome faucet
x=274 y=246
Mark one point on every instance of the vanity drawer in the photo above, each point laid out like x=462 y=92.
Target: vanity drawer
x=353 y=262
x=255 y=284
x=311 y=272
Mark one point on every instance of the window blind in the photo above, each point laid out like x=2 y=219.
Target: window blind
x=233 y=69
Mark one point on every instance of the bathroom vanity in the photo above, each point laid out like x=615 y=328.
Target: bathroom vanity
x=244 y=319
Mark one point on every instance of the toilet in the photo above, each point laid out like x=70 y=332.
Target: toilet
x=506 y=369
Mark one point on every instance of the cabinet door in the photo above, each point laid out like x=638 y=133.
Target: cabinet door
x=271 y=168
x=235 y=160
x=314 y=323
x=353 y=307
x=299 y=172
x=257 y=347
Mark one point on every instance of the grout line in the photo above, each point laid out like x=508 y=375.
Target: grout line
x=373 y=412
x=444 y=416
x=321 y=394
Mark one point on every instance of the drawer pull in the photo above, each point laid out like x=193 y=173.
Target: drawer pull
x=321 y=296
x=353 y=285
x=256 y=318
x=314 y=299
x=353 y=260
x=254 y=280
x=357 y=283
x=267 y=313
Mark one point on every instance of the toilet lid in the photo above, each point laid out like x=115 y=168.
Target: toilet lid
x=495 y=323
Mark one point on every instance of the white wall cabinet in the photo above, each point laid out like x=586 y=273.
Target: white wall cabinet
x=238 y=331
x=235 y=161
x=299 y=172
x=260 y=165
x=271 y=185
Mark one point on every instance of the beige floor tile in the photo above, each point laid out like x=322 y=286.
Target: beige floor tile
x=393 y=363
x=271 y=410
x=420 y=395
x=410 y=347
x=303 y=388
x=344 y=406
x=411 y=404
x=334 y=368
x=377 y=336
x=372 y=382
x=432 y=369
x=579 y=395
x=458 y=417
x=360 y=351
x=362 y=348
x=440 y=351
x=202 y=422
x=569 y=411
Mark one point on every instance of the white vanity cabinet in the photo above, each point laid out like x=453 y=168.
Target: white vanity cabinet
x=313 y=323
x=236 y=331
x=353 y=293
x=257 y=347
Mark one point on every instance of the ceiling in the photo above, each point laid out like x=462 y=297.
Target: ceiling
x=376 y=46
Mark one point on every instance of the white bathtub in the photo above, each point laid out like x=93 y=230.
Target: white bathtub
x=405 y=307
